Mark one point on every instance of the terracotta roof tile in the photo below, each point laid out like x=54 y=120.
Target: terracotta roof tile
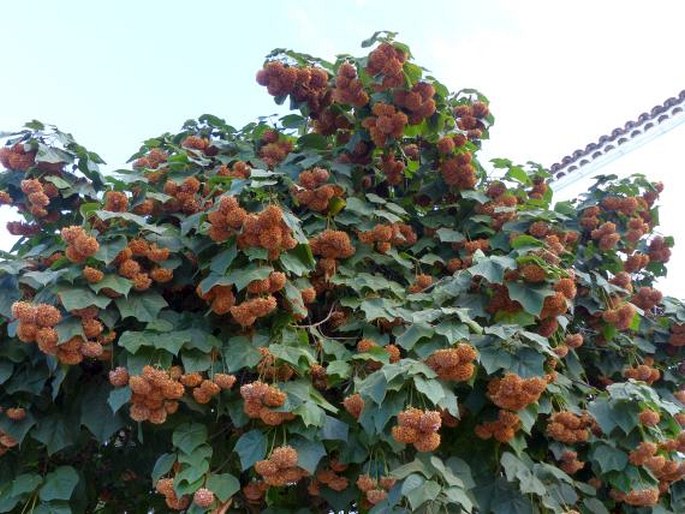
x=619 y=136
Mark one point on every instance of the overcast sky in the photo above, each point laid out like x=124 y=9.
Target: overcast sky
x=558 y=75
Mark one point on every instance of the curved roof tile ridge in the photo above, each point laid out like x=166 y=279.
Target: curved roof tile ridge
x=630 y=130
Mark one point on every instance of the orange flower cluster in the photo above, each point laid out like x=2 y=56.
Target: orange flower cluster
x=659 y=250
x=547 y=327
x=6 y=442
x=92 y=275
x=385 y=123
x=503 y=429
x=203 y=498
x=589 y=218
x=574 y=340
x=37 y=198
x=314 y=193
x=165 y=487
x=308 y=295
x=623 y=280
x=203 y=390
x=418 y=102
x=131 y=265
x=476 y=244
x=348 y=88
x=319 y=376
x=224 y=380
x=281 y=467
x=354 y=404
x=332 y=244
x=606 y=236
x=636 y=262
x=624 y=205
x=239 y=170
x=502 y=208
x=454 y=264
x=445 y=145
x=539 y=188
x=278 y=78
x=649 y=418
x=386 y=62
x=515 y=393
x=533 y=273
x=567 y=287
x=647 y=298
x=647 y=497
x=311 y=87
x=268 y=369
x=304 y=84
x=5 y=198
x=554 y=305
x=453 y=363
x=116 y=201
x=643 y=453
x=392 y=169
x=17 y=158
x=80 y=245
x=226 y=220
x=570 y=463
x=16 y=413
x=184 y=196
x=261 y=399
x=267 y=230
x=386 y=236
x=680 y=418
x=274 y=282
x=567 y=427
x=418 y=427
x=37 y=324
x=539 y=229
x=412 y=152
x=153 y=160
x=219 y=298
x=155 y=393
x=621 y=317
x=421 y=282
x=677 y=337
x=458 y=171
x=375 y=490
x=74 y=350
x=274 y=149
x=664 y=469
x=247 y=312
x=644 y=372
x=469 y=118
x=554 y=247
x=195 y=143
x=636 y=229
x=651 y=196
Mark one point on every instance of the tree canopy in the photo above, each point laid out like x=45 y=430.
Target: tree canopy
x=337 y=310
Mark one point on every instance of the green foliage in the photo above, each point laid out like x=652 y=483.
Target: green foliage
x=338 y=310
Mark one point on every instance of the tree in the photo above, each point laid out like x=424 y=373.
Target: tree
x=338 y=310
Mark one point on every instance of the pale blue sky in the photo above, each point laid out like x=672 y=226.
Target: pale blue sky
x=116 y=72
x=559 y=74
